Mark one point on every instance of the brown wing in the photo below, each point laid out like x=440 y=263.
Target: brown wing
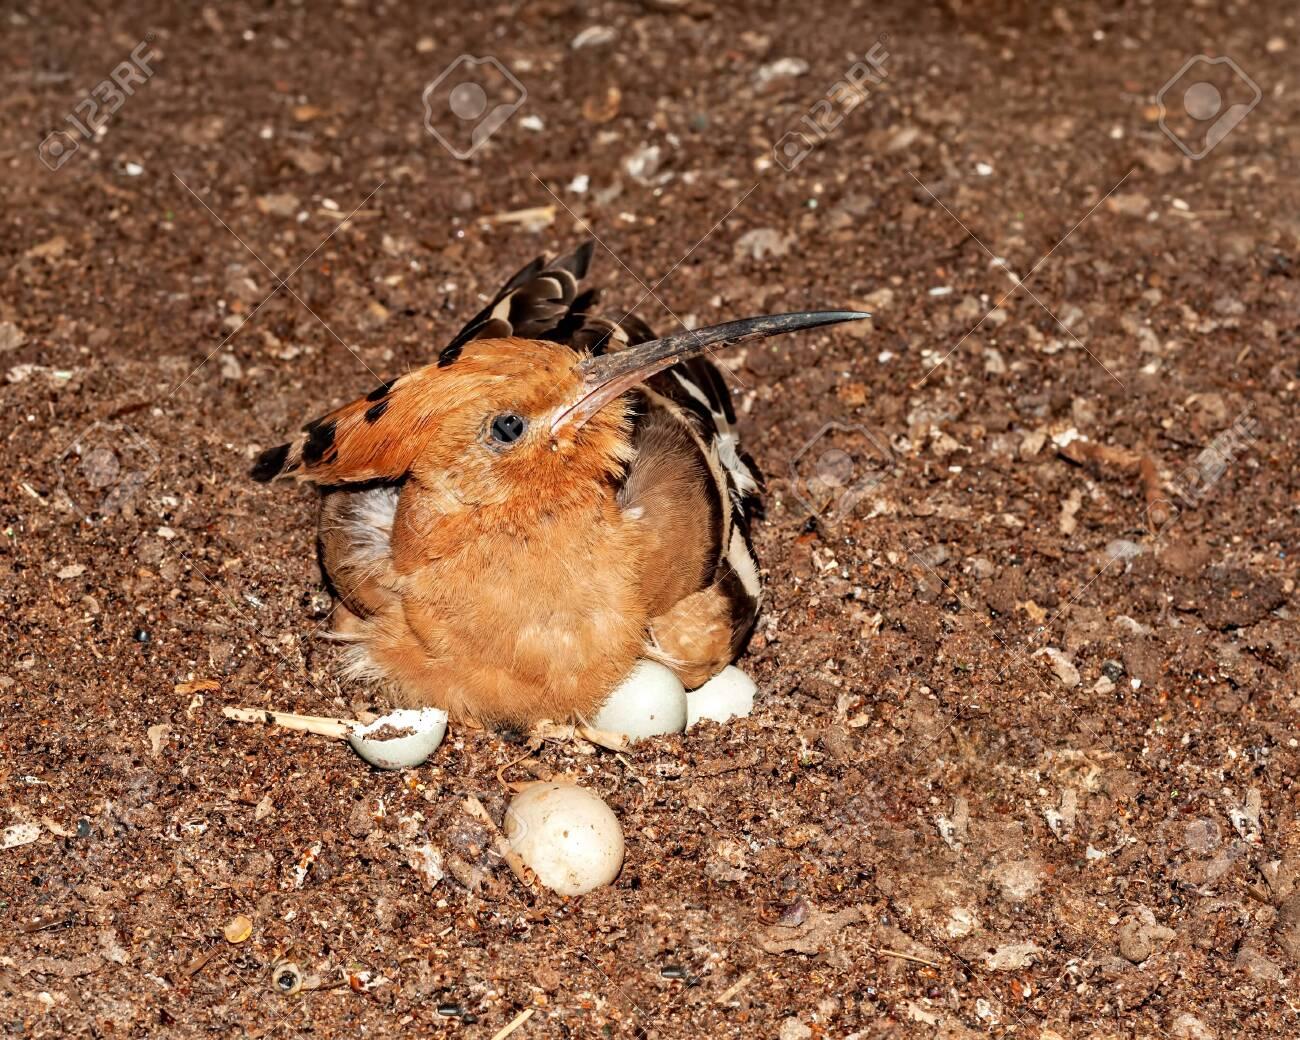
x=700 y=579
x=545 y=300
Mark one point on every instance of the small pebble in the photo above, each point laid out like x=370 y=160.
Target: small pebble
x=1013 y=956
x=11 y=337
x=593 y=36
x=782 y=68
x=762 y=242
x=1189 y=1027
x=643 y=164
x=1018 y=880
x=283 y=205
x=878 y=300
x=793 y=1029
x=1066 y=672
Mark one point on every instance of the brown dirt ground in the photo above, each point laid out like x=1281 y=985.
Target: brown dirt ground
x=1097 y=842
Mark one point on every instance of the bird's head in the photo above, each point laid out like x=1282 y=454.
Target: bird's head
x=528 y=424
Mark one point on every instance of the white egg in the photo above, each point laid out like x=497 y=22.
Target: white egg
x=728 y=695
x=650 y=701
x=401 y=739
x=568 y=837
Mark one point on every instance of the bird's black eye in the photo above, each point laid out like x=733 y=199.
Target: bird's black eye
x=508 y=428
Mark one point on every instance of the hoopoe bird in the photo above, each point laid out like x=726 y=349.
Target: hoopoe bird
x=507 y=530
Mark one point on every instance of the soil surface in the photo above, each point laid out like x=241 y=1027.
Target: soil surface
x=1024 y=757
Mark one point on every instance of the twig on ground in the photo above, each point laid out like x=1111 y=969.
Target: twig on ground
x=907 y=957
x=319 y=724
x=514 y=1024
x=201 y=961
x=510 y=785
x=517 y=866
x=548 y=730
x=736 y=987
x=533 y=215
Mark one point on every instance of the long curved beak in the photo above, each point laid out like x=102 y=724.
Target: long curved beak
x=606 y=377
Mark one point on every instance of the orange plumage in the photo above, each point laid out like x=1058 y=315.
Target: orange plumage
x=507 y=530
